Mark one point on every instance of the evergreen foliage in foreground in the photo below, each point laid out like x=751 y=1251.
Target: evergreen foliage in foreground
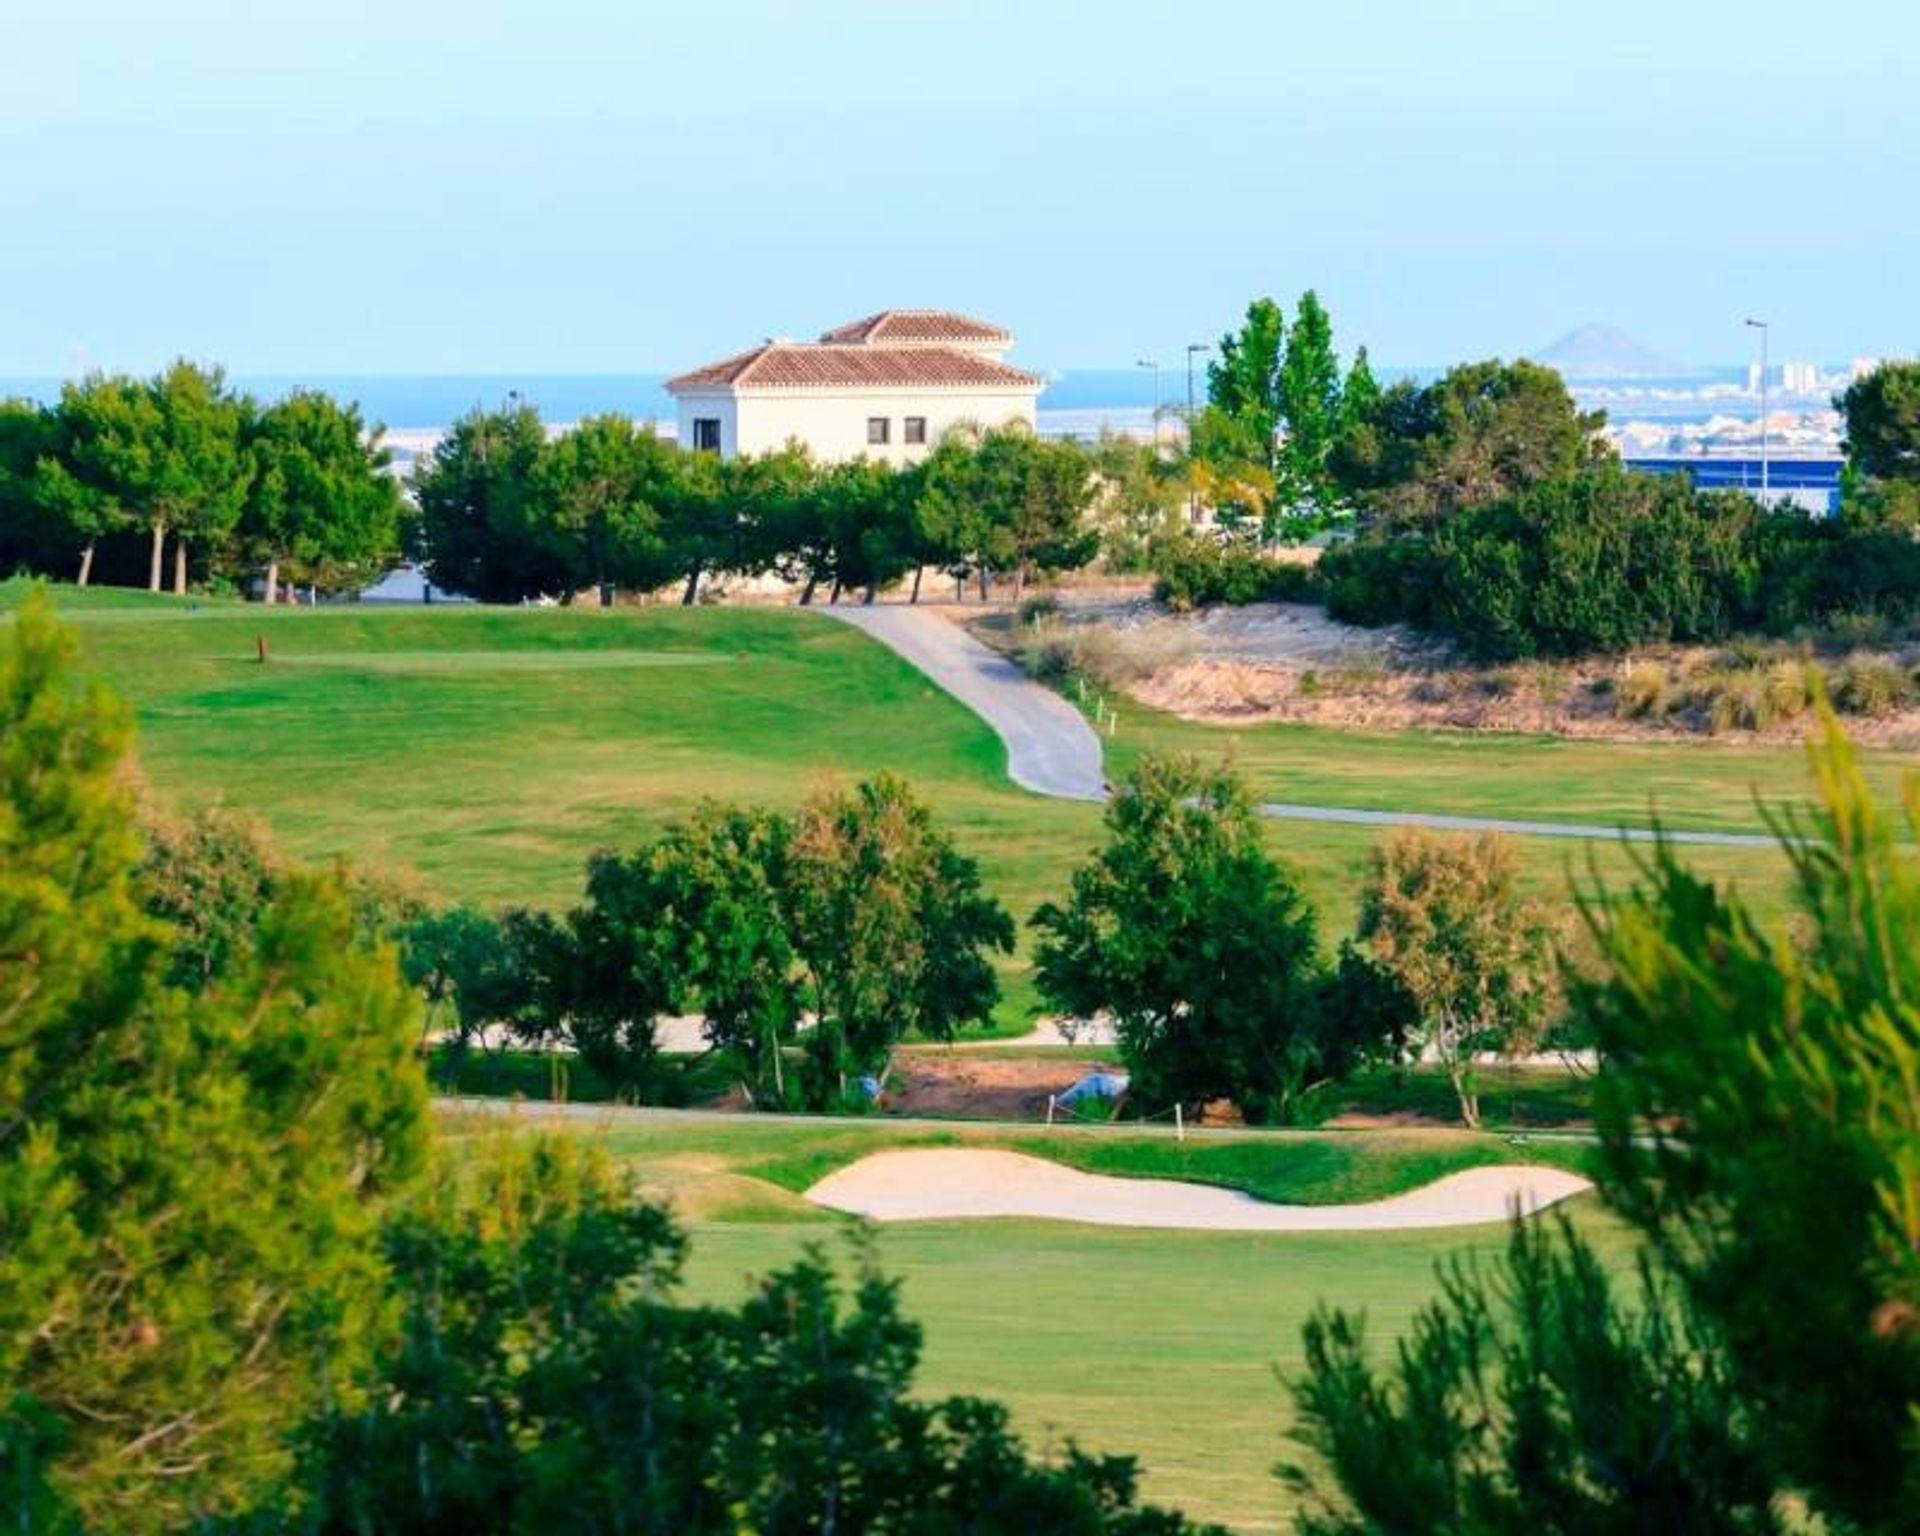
x=191 y=1180
x=1759 y=1109
x=238 y=1293
x=543 y=1378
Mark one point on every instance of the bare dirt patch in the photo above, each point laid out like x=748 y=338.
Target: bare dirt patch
x=964 y=1085
x=1572 y=699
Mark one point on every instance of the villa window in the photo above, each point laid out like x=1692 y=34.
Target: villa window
x=915 y=430
x=877 y=431
x=706 y=434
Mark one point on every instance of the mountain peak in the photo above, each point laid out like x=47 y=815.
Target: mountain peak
x=1606 y=352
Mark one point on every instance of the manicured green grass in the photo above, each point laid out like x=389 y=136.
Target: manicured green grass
x=1159 y=1344
x=492 y=750
x=1700 y=785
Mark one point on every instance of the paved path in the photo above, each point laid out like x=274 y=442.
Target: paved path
x=1052 y=751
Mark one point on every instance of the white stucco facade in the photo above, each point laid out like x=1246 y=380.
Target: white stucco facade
x=836 y=424
x=888 y=387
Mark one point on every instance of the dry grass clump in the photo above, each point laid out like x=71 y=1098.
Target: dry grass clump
x=1866 y=684
x=1643 y=691
x=1056 y=651
x=1751 y=689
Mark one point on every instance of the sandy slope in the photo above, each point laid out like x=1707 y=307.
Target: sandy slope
x=938 y=1184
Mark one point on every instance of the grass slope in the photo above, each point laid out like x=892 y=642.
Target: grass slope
x=492 y=750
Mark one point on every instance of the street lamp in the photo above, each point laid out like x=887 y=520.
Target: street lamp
x=1765 y=336
x=1194 y=349
x=1153 y=421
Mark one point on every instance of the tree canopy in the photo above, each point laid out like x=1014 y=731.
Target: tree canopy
x=190 y=1181
x=1198 y=945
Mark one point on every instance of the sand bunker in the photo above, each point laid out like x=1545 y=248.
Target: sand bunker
x=941 y=1184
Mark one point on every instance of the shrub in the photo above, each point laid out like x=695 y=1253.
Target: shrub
x=1042 y=605
x=1790 y=688
x=1865 y=684
x=1643 y=691
x=1049 y=652
x=1193 y=572
x=1607 y=560
x=1733 y=699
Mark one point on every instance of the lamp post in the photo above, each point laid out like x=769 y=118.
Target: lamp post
x=1194 y=349
x=1765 y=336
x=1153 y=421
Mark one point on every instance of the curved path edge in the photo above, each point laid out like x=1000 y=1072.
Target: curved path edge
x=1052 y=751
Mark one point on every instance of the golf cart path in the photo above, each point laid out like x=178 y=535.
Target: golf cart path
x=1052 y=751
x=944 y=1184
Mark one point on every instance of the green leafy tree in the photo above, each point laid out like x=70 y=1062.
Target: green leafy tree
x=1244 y=382
x=1882 y=412
x=1003 y=500
x=1137 y=503
x=1447 y=920
x=1310 y=406
x=190 y=1184
x=717 y=881
x=891 y=929
x=198 y=466
x=1760 y=1133
x=96 y=478
x=1197 y=943
x=1530 y=1396
x=602 y=491
x=1480 y=433
x=208 y=877
x=322 y=503
x=479 y=526
x=31 y=533
x=1758 y=1110
x=847 y=528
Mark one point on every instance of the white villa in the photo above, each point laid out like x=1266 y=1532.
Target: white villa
x=886 y=387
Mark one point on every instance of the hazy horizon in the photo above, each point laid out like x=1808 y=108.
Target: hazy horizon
x=428 y=188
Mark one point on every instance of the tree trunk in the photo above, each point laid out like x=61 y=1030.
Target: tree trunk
x=918 y=570
x=806 y=592
x=1459 y=1075
x=159 y=549
x=986 y=585
x=833 y=593
x=86 y=563
x=692 y=588
x=867 y=601
x=1019 y=581
x=273 y=582
x=179 y=567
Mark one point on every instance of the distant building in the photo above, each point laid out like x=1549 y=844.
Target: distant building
x=1800 y=378
x=886 y=387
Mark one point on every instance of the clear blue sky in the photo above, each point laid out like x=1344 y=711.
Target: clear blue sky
x=627 y=185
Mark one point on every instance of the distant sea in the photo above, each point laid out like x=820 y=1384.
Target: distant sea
x=1077 y=401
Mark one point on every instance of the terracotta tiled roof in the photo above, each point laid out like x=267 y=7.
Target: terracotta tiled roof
x=820 y=365
x=917 y=327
